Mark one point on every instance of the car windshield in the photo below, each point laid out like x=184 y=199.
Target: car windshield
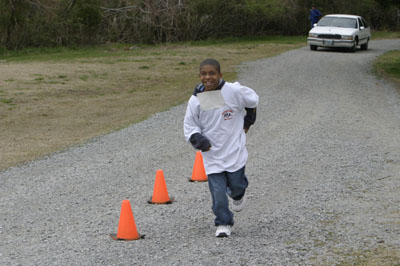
x=338 y=22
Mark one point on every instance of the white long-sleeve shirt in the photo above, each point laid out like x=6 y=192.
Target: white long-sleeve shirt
x=220 y=119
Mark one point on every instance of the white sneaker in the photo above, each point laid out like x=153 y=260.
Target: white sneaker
x=223 y=231
x=238 y=205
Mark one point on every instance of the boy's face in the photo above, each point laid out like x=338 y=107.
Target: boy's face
x=210 y=77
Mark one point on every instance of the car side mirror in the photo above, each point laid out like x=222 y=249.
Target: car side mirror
x=362 y=27
x=315 y=24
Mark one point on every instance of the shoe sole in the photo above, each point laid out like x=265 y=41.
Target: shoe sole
x=222 y=235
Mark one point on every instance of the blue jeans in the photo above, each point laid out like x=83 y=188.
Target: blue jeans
x=223 y=185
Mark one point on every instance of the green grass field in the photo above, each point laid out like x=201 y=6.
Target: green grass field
x=388 y=66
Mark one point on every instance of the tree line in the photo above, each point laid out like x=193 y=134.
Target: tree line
x=48 y=23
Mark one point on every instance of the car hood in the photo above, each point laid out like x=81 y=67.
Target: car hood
x=332 y=30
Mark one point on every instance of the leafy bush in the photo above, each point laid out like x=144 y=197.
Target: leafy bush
x=36 y=23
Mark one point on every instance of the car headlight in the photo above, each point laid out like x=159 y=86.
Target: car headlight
x=347 y=37
x=315 y=35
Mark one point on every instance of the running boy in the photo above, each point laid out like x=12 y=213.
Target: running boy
x=217 y=117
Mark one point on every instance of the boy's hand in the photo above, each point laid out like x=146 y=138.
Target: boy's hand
x=249 y=118
x=200 y=142
x=205 y=150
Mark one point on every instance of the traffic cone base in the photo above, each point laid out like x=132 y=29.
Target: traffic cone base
x=194 y=180
x=160 y=193
x=114 y=237
x=126 y=226
x=199 y=173
x=171 y=199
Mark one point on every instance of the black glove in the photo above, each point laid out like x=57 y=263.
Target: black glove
x=250 y=117
x=200 y=142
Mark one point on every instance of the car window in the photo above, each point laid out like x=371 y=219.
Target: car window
x=365 y=22
x=360 y=22
x=338 y=22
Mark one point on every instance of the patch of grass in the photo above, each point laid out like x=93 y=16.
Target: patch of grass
x=68 y=53
x=6 y=101
x=388 y=66
x=379 y=256
x=376 y=35
x=392 y=64
x=119 y=51
x=269 y=39
x=84 y=77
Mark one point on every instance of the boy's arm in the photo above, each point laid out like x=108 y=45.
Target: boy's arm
x=248 y=98
x=250 y=102
x=192 y=129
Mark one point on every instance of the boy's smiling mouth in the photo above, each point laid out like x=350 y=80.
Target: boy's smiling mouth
x=210 y=85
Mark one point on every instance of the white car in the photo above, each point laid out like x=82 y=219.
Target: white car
x=340 y=31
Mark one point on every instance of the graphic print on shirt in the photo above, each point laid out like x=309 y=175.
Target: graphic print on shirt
x=227 y=114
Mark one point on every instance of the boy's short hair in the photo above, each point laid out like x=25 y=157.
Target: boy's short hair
x=211 y=62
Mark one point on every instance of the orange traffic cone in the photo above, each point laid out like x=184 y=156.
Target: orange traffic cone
x=160 y=192
x=199 y=173
x=126 y=226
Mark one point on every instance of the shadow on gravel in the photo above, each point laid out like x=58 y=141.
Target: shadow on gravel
x=342 y=50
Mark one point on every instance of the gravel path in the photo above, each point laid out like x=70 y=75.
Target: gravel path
x=324 y=172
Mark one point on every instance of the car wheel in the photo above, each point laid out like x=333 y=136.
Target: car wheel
x=313 y=47
x=354 y=47
x=364 y=46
